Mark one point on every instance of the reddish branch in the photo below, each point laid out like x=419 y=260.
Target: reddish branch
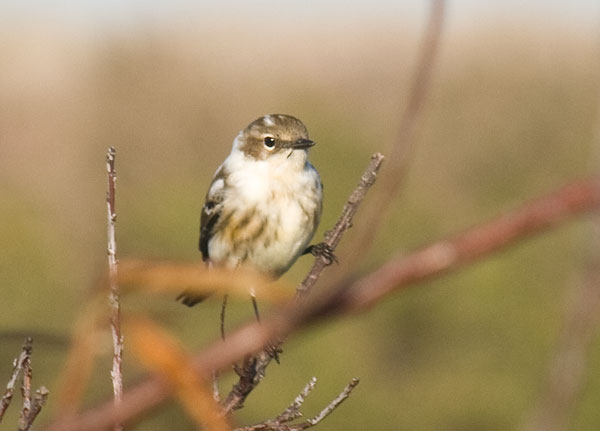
x=359 y=294
x=476 y=243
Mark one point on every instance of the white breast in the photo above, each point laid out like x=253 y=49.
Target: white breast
x=283 y=194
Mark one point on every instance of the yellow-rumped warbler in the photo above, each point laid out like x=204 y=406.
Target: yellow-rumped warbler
x=264 y=203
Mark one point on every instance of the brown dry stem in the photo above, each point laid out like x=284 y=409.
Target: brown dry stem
x=32 y=405
x=18 y=365
x=116 y=373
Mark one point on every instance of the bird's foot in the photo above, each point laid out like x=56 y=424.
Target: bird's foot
x=273 y=350
x=323 y=250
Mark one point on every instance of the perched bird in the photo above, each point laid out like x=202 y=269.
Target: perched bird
x=264 y=202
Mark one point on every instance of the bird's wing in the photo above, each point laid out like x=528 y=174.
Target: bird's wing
x=211 y=211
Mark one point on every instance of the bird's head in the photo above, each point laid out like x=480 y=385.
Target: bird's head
x=274 y=137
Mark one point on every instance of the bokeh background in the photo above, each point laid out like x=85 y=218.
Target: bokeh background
x=512 y=114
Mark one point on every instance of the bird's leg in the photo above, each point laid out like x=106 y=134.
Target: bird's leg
x=215 y=374
x=255 y=306
x=223 y=307
x=322 y=249
x=271 y=349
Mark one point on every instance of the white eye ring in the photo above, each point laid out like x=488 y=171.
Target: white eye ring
x=269 y=142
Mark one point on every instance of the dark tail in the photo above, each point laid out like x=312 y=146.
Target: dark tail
x=190 y=299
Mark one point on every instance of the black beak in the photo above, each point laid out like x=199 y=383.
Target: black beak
x=302 y=144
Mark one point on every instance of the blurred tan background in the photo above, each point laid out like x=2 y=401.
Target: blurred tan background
x=512 y=113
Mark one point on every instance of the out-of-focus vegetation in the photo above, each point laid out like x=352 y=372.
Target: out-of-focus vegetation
x=511 y=115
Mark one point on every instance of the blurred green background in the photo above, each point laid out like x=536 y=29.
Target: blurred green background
x=512 y=114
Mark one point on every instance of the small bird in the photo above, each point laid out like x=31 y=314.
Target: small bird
x=264 y=202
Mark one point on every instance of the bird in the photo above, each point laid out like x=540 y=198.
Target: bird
x=264 y=203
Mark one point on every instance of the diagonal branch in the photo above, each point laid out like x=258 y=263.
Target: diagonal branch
x=334 y=236
x=255 y=370
x=354 y=295
x=454 y=253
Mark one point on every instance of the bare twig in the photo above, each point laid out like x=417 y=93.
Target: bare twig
x=293 y=411
x=39 y=399
x=26 y=391
x=399 y=151
x=352 y=295
x=115 y=319
x=334 y=236
x=31 y=405
x=18 y=364
x=252 y=377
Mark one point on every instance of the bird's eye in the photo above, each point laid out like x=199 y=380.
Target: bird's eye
x=269 y=142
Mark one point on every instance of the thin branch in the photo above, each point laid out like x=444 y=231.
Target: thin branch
x=332 y=405
x=289 y=414
x=334 y=236
x=26 y=392
x=399 y=151
x=17 y=368
x=354 y=295
x=39 y=400
x=252 y=376
x=31 y=405
x=293 y=411
x=115 y=319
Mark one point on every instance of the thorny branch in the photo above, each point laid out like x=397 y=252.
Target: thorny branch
x=293 y=411
x=359 y=294
x=255 y=368
x=115 y=304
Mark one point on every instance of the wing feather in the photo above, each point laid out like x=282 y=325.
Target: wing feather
x=211 y=212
